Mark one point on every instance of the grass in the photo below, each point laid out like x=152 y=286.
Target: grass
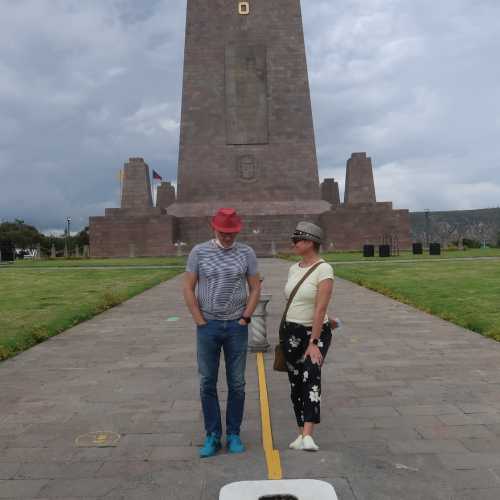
x=408 y=255
x=74 y=262
x=464 y=292
x=37 y=304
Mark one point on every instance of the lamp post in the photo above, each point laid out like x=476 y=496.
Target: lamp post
x=68 y=222
x=427 y=227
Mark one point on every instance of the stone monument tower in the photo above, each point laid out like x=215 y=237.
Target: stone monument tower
x=247 y=136
x=246 y=109
x=246 y=141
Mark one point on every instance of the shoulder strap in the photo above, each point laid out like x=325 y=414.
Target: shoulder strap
x=296 y=289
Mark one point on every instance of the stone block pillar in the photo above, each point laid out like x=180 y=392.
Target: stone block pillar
x=360 y=186
x=136 y=188
x=330 y=192
x=165 y=195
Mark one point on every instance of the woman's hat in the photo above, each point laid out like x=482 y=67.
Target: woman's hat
x=308 y=231
x=226 y=220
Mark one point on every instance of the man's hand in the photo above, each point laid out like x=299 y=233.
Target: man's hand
x=242 y=322
x=201 y=323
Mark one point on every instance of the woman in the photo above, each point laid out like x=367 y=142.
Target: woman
x=307 y=331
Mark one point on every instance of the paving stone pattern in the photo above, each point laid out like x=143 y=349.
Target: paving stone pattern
x=411 y=407
x=411 y=404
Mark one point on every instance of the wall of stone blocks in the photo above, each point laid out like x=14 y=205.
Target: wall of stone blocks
x=265 y=234
x=351 y=228
x=139 y=236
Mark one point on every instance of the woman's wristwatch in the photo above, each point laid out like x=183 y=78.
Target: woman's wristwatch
x=315 y=342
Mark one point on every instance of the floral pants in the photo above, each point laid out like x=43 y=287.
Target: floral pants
x=303 y=374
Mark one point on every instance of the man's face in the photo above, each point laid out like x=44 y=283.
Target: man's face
x=226 y=239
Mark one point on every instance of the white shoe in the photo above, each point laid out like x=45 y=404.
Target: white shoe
x=308 y=444
x=297 y=444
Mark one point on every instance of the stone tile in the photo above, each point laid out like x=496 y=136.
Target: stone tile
x=395 y=433
x=66 y=488
x=482 y=445
x=160 y=453
x=21 y=488
x=474 y=479
x=427 y=446
x=366 y=412
x=54 y=470
x=428 y=410
x=455 y=432
x=8 y=469
x=472 y=419
x=471 y=408
x=470 y=460
x=478 y=494
x=153 y=440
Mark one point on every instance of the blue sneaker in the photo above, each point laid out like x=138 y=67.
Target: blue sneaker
x=211 y=447
x=234 y=444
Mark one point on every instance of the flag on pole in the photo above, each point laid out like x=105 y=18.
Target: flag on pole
x=157 y=176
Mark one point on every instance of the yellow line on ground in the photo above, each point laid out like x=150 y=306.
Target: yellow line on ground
x=272 y=455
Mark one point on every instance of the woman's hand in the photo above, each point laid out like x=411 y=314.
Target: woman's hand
x=315 y=354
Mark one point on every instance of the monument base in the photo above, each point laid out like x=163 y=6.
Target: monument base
x=268 y=226
x=349 y=227
x=120 y=233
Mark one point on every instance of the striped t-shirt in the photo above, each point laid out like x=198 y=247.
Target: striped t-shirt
x=222 y=278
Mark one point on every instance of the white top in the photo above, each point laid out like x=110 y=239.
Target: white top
x=302 y=308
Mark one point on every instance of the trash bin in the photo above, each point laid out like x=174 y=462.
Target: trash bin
x=369 y=251
x=418 y=249
x=435 y=249
x=7 y=251
x=384 y=250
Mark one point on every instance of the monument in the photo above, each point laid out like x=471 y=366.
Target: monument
x=137 y=228
x=246 y=141
x=361 y=219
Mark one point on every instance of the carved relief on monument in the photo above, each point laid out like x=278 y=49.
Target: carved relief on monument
x=247 y=166
x=246 y=94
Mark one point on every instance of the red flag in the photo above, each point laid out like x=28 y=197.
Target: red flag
x=157 y=176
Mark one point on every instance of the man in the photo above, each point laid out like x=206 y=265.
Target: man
x=221 y=269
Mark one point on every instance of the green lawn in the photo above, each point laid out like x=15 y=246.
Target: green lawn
x=464 y=292
x=408 y=255
x=138 y=261
x=37 y=304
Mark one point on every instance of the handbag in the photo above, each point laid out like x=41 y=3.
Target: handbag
x=279 y=351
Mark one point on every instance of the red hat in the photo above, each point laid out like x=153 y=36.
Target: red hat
x=226 y=220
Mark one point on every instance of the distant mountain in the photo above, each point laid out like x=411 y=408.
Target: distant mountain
x=447 y=227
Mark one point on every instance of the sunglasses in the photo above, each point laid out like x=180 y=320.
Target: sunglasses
x=296 y=240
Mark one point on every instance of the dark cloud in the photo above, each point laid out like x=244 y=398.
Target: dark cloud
x=85 y=85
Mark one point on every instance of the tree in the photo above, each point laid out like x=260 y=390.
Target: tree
x=21 y=234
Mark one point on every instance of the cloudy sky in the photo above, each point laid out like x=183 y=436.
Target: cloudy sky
x=85 y=84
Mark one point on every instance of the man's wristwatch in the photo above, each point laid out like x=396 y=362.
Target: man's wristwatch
x=246 y=319
x=315 y=342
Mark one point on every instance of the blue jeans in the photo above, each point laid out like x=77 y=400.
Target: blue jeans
x=233 y=339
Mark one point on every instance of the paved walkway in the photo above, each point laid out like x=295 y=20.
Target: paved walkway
x=411 y=407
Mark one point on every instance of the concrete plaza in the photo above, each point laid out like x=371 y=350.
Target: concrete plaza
x=411 y=407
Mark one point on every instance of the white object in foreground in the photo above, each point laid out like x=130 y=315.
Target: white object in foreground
x=301 y=489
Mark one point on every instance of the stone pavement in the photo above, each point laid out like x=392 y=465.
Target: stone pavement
x=411 y=407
